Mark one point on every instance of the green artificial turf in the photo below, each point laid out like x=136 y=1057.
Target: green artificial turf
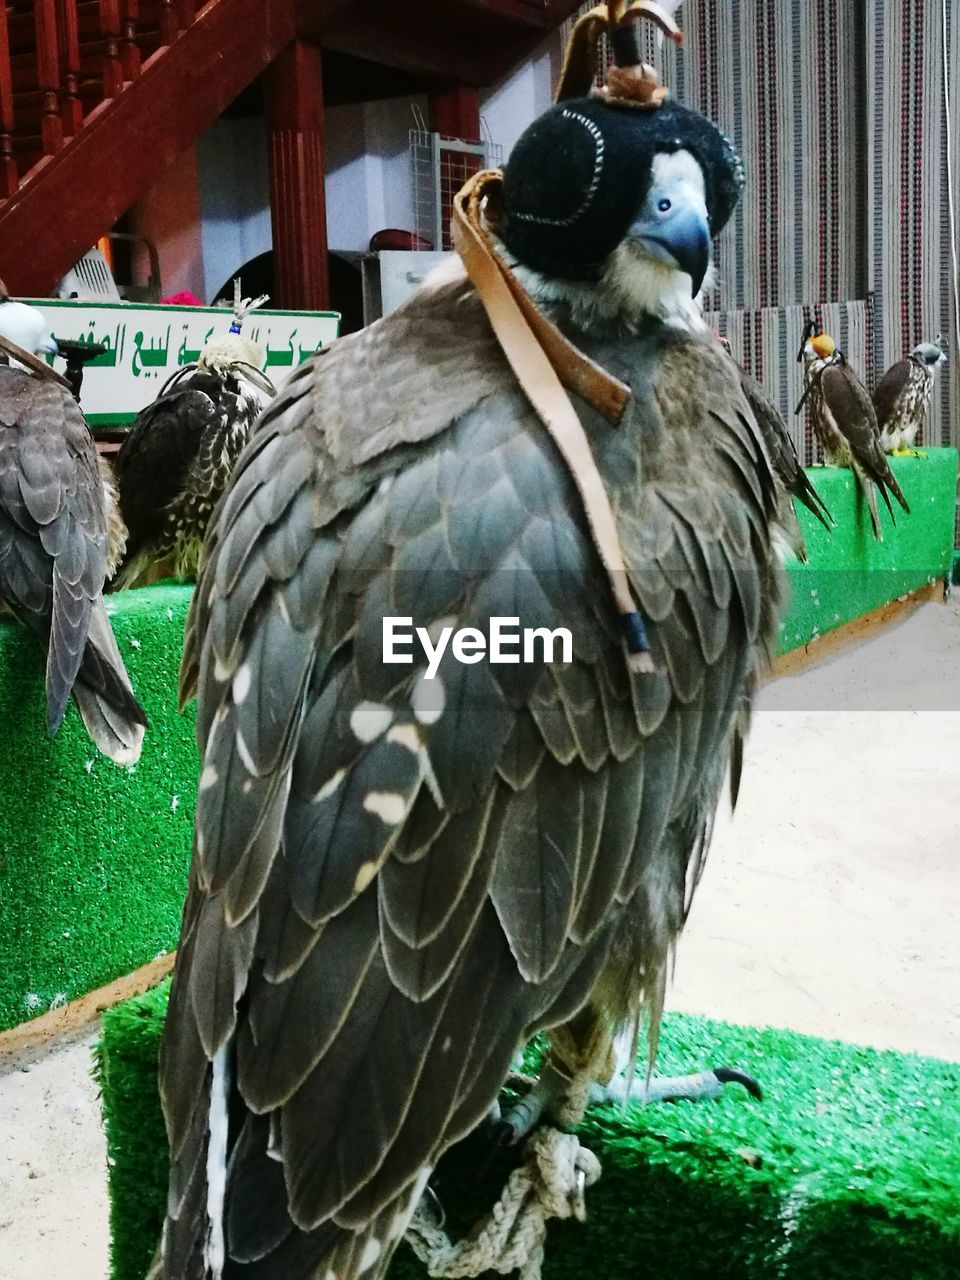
x=93 y=856
x=848 y=1170
x=849 y=574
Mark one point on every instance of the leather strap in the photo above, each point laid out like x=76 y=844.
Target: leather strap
x=543 y=360
x=38 y=366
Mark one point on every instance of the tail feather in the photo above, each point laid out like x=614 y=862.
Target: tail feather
x=104 y=696
x=811 y=499
x=65 y=646
x=870 y=493
x=893 y=484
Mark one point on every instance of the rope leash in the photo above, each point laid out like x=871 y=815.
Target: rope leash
x=549 y=1184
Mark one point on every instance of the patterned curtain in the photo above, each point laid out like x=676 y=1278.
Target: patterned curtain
x=911 y=271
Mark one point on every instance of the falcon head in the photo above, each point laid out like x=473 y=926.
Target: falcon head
x=226 y=350
x=26 y=326
x=233 y=355
x=817 y=348
x=929 y=354
x=613 y=202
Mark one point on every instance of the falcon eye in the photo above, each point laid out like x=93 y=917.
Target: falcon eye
x=664 y=205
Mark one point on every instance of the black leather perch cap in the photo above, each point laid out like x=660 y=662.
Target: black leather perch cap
x=578 y=176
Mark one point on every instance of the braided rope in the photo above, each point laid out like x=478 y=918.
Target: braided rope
x=549 y=1184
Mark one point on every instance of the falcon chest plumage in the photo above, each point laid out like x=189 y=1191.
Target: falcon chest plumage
x=835 y=446
x=186 y=518
x=904 y=421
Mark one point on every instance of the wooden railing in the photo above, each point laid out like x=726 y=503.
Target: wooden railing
x=60 y=58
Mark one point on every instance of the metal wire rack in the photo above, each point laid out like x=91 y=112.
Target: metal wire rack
x=439 y=167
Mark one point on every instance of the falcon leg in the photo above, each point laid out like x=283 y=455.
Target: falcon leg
x=908 y=453
x=702 y=1085
x=581 y=1053
x=546 y=1097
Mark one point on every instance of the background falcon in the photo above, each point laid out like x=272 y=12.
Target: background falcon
x=902 y=396
x=789 y=471
x=54 y=557
x=176 y=461
x=845 y=423
x=394 y=880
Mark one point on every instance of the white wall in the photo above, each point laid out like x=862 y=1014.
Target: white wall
x=367 y=167
x=169 y=216
x=234 y=197
x=508 y=107
x=368 y=170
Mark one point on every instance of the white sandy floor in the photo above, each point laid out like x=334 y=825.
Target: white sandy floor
x=830 y=904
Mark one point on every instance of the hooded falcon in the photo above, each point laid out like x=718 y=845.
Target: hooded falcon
x=398 y=877
x=793 y=479
x=902 y=396
x=845 y=423
x=176 y=461
x=54 y=557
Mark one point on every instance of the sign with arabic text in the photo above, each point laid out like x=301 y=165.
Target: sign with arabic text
x=147 y=344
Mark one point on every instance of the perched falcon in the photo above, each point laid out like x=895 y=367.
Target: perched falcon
x=902 y=396
x=176 y=461
x=845 y=423
x=794 y=481
x=397 y=879
x=54 y=554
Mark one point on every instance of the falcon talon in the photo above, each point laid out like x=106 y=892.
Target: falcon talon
x=732 y=1075
x=578 y=1201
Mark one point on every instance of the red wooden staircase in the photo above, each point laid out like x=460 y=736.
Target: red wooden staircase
x=97 y=97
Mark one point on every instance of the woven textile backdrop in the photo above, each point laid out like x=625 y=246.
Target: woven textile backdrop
x=845 y=216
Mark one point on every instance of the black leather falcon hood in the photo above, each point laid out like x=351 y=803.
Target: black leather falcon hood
x=578 y=175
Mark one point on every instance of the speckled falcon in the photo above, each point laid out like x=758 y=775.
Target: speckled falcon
x=845 y=423
x=395 y=879
x=902 y=396
x=177 y=458
x=55 y=551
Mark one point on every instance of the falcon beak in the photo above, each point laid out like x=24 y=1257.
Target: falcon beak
x=676 y=231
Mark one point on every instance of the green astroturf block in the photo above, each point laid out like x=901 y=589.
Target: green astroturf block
x=849 y=574
x=93 y=856
x=848 y=1170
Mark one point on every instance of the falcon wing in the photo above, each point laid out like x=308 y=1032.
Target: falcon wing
x=156 y=456
x=889 y=390
x=852 y=409
x=396 y=880
x=783 y=452
x=53 y=547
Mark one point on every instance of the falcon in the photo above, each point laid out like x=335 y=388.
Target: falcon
x=902 y=396
x=845 y=422
x=54 y=557
x=176 y=461
x=396 y=880
x=793 y=479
